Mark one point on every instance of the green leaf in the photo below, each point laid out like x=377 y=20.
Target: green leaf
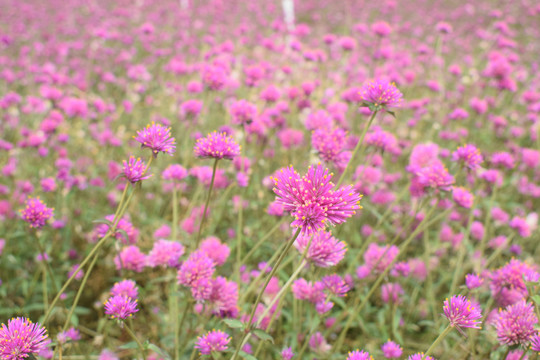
x=159 y=351
x=102 y=221
x=123 y=232
x=233 y=323
x=246 y=356
x=129 y=345
x=391 y=113
x=263 y=335
x=536 y=299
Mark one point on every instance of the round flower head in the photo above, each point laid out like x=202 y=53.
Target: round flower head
x=217 y=146
x=381 y=94
x=461 y=313
x=157 y=138
x=242 y=112
x=215 y=340
x=469 y=155
x=324 y=251
x=515 y=324
x=199 y=265
x=20 y=338
x=130 y=258
x=36 y=213
x=420 y=356
x=359 y=355
x=535 y=342
x=391 y=350
x=287 y=354
x=120 y=307
x=462 y=196
x=435 y=176
x=165 y=253
x=312 y=199
x=126 y=288
x=135 y=169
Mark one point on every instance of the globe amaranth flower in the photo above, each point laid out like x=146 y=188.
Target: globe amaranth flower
x=287 y=353
x=462 y=197
x=215 y=340
x=135 y=170
x=20 y=338
x=324 y=250
x=120 y=307
x=391 y=350
x=216 y=146
x=130 y=258
x=420 y=356
x=335 y=285
x=462 y=313
x=36 y=213
x=199 y=265
x=312 y=199
x=242 y=112
x=469 y=155
x=165 y=253
x=359 y=355
x=515 y=324
x=507 y=283
x=156 y=138
x=126 y=288
x=535 y=342
x=380 y=94
x=435 y=176
x=329 y=143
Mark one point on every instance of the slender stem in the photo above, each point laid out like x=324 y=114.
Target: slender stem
x=46 y=264
x=206 y=204
x=134 y=337
x=44 y=288
x=437 y=341
x=461 y=255
x=261 y=241
x=497 y=252
x=239 y=229
x=424 y=224
x=261 y=292
x=487 y=220
x=79 y=292
x=306 y=340
x=523 y=354
x=83 y=263
x=174 y=213
x=505 y=354
x=359 y=146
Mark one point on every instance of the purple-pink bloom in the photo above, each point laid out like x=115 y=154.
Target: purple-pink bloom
x=312 y=200
x=242 y=112
x=217 y=146
x=126 y=288
x=378 y=258
x=335 y=285
x=215 y=340
x=435 y=176
x=215 y=249
x=135 y=170
x=359 y=355
x=535 y=342
x=165 y=253
x=324 y=250
x=515 y=324
x=420 y=356
x=462 y=196
x=120 y=307
x=156 y=138
x=381 y=94
x=469 y=155
x=36 y=213
x=199 y=265
x=287 y=354
x=391 y=350
x=20 y=338
x=462 y=313
x=130 y=258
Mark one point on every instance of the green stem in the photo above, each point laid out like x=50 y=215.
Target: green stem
x=462 y=250
x=358 y=308
x=46 y=264
x=261 y=241
x=79 y=293
x=134 y=337
x=206 y=204
x=357 y=148
x=174 y=213
x=487 y=220
x=44 y=288
x=239 y=227
x=261 y=292
x=437 y=341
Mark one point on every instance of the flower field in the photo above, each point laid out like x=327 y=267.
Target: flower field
x=295 y=179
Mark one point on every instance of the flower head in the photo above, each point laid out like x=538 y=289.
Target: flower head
x=36 y=213
x=312 y=199
x=126 y=288
x=198 y=265
x=515 y=324
x=381 y=93
x=469 y=155
x=157 y=138
x=462 y=196
x=359 y=355
x=20 y=338
x=324 y=251
x=120 y=307
x=135 y=170
x=215 y=340
x=462 y=313
x=435 y=176
x=217 y=146
x=419 y=356
x=165 y=253
x=391 y=350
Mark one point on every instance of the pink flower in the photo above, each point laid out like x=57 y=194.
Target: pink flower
x=36 y=213
x=217 y=146
x=156 y=138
